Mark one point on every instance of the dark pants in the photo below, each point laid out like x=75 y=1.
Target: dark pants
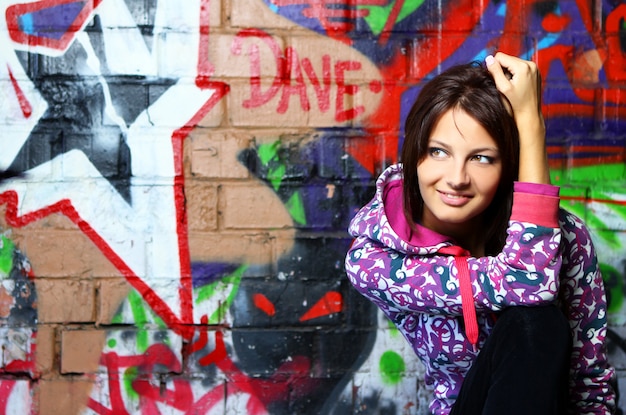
x=522 y=368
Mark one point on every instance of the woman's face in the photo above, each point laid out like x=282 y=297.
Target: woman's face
x=460 y=174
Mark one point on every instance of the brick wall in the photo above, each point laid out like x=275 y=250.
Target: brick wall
x=174 y=239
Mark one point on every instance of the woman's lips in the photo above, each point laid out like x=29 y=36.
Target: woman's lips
x=454 y=199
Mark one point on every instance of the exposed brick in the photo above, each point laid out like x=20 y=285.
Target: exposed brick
x=65 y=301
x=54 y=253
x=216 y=114
x=111 y=294
x=81 y=350
x=246 y=108
x=240 y=247
x=231 y=56
x=215 y=13
x=53 y=221
x=252 y=206
x=214 y=155
x=63 y=396
x=201 y=204
x=45 y=352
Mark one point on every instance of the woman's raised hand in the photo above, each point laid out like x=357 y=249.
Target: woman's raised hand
x=519 y=80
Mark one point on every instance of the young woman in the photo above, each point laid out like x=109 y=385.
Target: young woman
x=465 y=249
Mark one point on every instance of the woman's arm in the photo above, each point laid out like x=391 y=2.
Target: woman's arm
x=524 y=273
x=584 y=303
x=522 y=87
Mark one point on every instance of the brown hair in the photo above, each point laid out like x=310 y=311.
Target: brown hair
x=469 y=87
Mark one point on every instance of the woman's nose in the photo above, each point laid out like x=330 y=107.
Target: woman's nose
x=457 y=176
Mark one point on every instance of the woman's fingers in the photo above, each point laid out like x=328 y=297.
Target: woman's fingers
x=503 y=83
x=523 y=90
x=517 y=79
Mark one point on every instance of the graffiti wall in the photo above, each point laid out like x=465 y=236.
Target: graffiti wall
x=178 y=178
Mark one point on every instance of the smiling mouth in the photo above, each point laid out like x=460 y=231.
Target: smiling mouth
x=454 y=195
x=454 y=199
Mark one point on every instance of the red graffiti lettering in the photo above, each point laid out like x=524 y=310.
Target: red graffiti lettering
x=289 y=78
x=257 y=96
x=322 y=92
x=346 y=89
x=294 y=72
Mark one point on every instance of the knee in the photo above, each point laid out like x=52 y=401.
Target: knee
x=537 y=327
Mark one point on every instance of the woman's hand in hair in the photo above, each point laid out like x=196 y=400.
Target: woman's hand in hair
x=519 y=80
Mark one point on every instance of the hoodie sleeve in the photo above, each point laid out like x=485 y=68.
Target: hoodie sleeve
x=584 y=302
x=404 y=279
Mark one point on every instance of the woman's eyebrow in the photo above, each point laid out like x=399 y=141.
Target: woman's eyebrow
x=435 y=142
x=483 y=149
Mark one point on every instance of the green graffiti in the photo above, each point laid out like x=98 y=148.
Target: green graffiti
x=295 y=207
x=6 y=255
x=129 y=377
x=111 y=343
x=228 y=285
x=593 y=222
x=275 y=176
x=137 y=307
x=268 y=154
x=391 y=367
x=597 y=172
x=140 y=319
x=142 y=316
x=576 y=186
x=613 y=285
x=117 y=319
x=378 y=16
x=270 y=158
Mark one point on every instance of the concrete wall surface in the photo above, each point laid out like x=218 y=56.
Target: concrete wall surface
x=180 y=174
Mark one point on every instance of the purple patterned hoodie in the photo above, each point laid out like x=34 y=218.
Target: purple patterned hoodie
x=548 y=257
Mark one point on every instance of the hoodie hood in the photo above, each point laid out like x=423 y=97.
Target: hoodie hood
x=383 y=220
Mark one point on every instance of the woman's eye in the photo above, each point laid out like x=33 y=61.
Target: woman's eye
x=436 y=152
x=483 y=159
